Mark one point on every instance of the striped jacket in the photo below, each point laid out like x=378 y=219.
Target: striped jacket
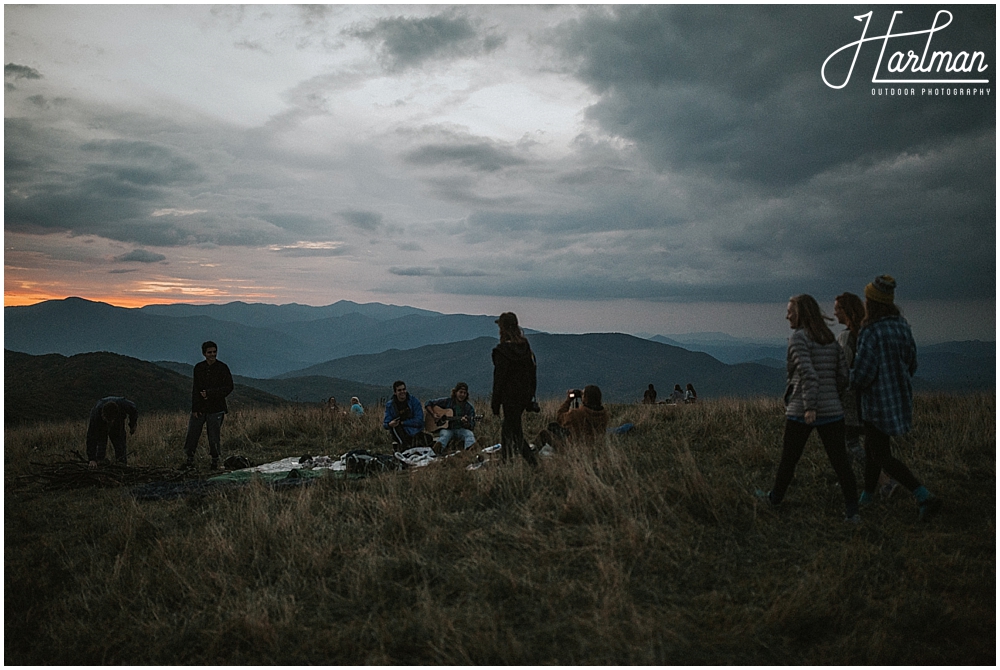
x=883 y=364
x=817 y=376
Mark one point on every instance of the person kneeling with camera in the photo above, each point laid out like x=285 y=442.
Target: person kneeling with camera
x=580 y=418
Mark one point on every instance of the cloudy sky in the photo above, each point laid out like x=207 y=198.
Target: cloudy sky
x=660 y=169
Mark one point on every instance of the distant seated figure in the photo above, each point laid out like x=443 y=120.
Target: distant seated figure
x=577 y=423
x=690 y=395
x=331 y=404
x=356 y=408
x=404 y=417
x=677 y=395
x=452 y=417
x=649 y=397
x=107 y=421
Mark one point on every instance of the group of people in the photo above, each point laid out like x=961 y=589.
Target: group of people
x=678 y=395
x=356 y=408
x=847 y=386
x=211 y=384
x=581 y=416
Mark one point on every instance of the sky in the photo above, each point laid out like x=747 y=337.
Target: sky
x=631 y=168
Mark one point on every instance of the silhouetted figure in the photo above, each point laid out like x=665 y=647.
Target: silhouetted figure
x=649 y=397
x=514 y=381
x=107 y=421
x=212 y=383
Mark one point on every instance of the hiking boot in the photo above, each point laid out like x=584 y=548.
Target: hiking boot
x=215 y=463
x=929 y=508
x=189 y=462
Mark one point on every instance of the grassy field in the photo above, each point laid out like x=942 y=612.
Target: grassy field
x=648 y=548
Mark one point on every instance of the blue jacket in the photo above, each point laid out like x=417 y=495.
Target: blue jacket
x=883 y=364
x=412 y=424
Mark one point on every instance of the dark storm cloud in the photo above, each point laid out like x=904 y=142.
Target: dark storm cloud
x=309 y=252
x=15 y=71
x=436 y=272
x=483 y=156
x=736 y=90
x=369 y=221
x=409 y=42
x=140 y=256
x=126 y=190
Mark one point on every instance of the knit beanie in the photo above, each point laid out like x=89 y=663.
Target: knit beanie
x=883 y=289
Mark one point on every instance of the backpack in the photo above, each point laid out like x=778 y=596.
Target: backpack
x=362 y=461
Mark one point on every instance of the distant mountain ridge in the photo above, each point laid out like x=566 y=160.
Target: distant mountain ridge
x=75 y=325
x=260 y=341
x=622 y=365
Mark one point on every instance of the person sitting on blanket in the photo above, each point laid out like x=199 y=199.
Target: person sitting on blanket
x=404 y=417
x=575 y=423
x=462 y=420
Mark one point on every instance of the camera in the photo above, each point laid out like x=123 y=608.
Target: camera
x=575 y=396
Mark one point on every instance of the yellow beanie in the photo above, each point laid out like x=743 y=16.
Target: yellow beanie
x=883 y=289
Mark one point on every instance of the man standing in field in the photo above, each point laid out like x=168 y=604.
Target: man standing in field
x=212 y=383
x=107 y=421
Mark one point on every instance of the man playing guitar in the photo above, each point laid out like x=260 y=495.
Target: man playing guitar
x=452 y=417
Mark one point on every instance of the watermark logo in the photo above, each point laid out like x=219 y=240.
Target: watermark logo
x=937 y=67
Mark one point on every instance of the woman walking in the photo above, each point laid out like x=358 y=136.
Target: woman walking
x=817 y=376
x=885 y=360
x=850 y=311
x=514 y=380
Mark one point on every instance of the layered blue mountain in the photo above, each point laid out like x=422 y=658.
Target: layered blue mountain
x=348 y=345
x=622 y=365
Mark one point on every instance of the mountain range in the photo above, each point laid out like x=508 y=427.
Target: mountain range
x=622 y=365
x=259 y=340
x=304 y=353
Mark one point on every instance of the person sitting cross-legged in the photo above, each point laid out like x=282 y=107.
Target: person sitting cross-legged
x=404 y=417
x=458 y=417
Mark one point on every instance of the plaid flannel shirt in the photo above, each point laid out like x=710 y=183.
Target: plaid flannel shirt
x=885 y=360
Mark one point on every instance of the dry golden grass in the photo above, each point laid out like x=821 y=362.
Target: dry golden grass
x=647 y=548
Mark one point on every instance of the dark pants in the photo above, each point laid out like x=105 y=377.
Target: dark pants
x=878 y=457
x=403 y=439
x=213 y=426
x=512 y=435
x=98 y=435
x=832 y=436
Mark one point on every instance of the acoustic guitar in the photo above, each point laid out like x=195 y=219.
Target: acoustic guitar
x=436 y=418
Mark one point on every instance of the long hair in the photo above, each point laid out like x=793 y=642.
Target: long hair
x=511 y=332
x=875 y=310
x=592 y=397
x=810 y=317
x=853 y=309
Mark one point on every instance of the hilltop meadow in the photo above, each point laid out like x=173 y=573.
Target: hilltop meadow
x=646 y=548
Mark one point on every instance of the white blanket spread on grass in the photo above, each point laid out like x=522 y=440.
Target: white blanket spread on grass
x=415 y=457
